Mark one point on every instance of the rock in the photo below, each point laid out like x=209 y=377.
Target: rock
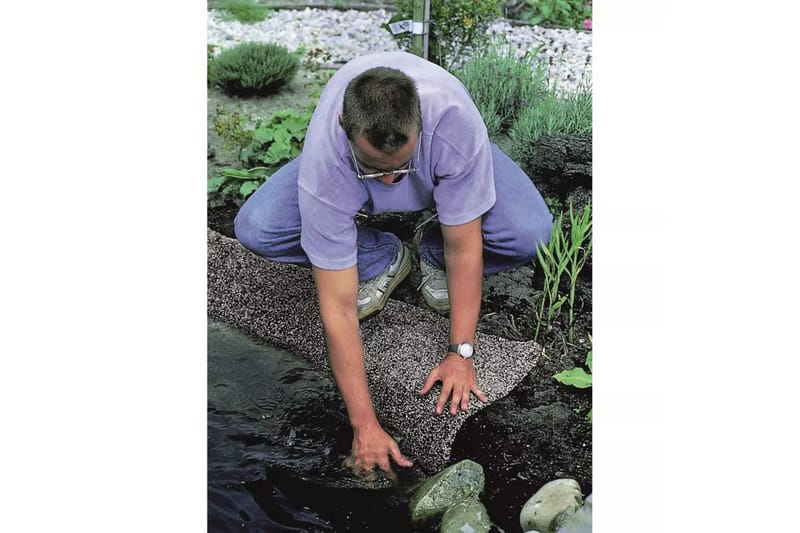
x=551 y=506
x=458 y=482
x=468 y=516
x=581 y=521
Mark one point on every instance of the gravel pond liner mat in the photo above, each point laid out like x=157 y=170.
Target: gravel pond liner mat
x=277 y=303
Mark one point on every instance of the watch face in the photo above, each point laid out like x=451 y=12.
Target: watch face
x=465 y=350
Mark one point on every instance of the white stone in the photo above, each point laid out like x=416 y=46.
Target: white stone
x=551 y=506
x=345 y=35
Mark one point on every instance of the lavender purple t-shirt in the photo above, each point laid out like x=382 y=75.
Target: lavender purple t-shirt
x=454 y=163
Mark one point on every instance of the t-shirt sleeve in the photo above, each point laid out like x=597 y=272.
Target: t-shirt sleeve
x=328 y=233
x=464 y=177
x=328 y=204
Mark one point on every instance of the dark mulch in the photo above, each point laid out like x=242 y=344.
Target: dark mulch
x=539 y=432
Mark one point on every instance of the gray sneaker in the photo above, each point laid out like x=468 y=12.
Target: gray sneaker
x=374 y=293
x=434 y=287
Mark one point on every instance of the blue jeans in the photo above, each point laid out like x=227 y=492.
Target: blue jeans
x=268 y=224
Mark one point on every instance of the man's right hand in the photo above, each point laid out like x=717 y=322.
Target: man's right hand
x=372 y=447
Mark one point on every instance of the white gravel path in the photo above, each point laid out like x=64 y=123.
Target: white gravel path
x=337 y=36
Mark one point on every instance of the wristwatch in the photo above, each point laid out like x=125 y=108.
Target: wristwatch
x=464 y=349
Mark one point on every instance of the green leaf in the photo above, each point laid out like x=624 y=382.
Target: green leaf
x=230 y=188
x=248 y=187
x=589 y=416
x=577 y=377
x=295 y=124
x=263 y=135
x=247 y=153
x=589 y=360
x=215 y=183
x=283 y=113
x=236 y=173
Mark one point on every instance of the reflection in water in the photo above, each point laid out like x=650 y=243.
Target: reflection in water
x=277 y=435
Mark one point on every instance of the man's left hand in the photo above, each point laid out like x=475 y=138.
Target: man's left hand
x=458 y=381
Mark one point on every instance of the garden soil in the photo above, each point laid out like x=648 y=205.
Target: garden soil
x=538 y=432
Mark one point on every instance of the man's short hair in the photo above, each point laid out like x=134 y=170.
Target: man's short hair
x=382 y=105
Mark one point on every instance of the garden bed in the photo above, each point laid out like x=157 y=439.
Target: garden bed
x=540 y=431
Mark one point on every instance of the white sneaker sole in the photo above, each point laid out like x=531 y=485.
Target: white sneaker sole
x=380 y=303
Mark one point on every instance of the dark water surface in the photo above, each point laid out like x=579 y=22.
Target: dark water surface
x=277 y=435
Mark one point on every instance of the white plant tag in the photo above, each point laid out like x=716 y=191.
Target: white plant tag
x=401 y=26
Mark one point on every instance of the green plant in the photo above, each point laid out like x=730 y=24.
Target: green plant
x=230 y=126
x=570 y=13
x=502 y=86
x=253 y=69
x=277 y=140
x=553 y=203
x=264 y=149
x=563 y=258
x=578 y=377
x=232 y=184
x=456 y=25
x=245 y=11
x=550 y=115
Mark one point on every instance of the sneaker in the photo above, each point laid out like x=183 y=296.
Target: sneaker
x=430 y=216
x=434 y=287
x=374 y=293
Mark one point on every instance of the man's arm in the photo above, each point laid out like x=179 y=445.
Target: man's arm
x=463 y=254
x=338 y=291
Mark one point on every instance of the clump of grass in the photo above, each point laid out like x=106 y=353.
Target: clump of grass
x=253 y=69
x=562 y=259
x=551 y=114
x=245 y=11
x=502 y=86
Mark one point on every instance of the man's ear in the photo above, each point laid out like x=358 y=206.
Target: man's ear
x=341 y=120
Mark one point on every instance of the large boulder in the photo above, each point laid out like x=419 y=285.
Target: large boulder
x=454 y=484
x=468 y=516
x=551 y=506
x=581 y=521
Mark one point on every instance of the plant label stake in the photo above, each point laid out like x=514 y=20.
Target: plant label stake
x=417 y=27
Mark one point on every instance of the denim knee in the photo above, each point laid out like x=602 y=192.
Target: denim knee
x=245 y=228
x=520 y=245
x=534 y=236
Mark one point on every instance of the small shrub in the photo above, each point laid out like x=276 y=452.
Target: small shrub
x=456 y=25
x=569 y=13
x=253 y=69
x=231 y=127
x=245 y=11
x=502 y=86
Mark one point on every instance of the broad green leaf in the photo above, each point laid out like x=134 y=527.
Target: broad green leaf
x=589 y=415
x=589 y=360
x=214 y=183
x=282 y=136
x=263 y=135
x=247 y=153
x=248 y=187
x=295 y=124
x=283 y=113
x=277 y=152
x=577 y=377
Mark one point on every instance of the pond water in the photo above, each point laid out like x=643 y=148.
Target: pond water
x=277 y=435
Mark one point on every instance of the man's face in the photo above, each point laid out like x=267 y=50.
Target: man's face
x=371 y=160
